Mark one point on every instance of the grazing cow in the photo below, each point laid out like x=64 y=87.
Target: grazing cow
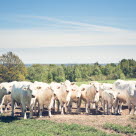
x=44 y=96
x=108 y=101
x=6 y=100
x=62 y=94
x=21 y=94
x=127 y=91
x=90 y=94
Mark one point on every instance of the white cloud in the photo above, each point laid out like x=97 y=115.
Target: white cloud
x=70 y=34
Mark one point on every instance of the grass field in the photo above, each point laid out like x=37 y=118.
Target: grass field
x=121 y=129
x=102 y=81
x=31 y=127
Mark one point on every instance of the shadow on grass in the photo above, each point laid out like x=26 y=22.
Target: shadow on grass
x=8 y=119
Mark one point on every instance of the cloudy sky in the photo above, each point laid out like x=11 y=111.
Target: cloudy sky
x=68 y=31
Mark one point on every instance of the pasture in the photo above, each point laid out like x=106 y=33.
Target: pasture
x=69 y=124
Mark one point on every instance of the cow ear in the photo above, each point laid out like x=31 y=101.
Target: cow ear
x=39 y=87
x=83 y=89
x=94 y=86
x=90 y=83
x=58 y=87
x=48 y=87
x=73 y=83
x=29 y=87
x=111 y=88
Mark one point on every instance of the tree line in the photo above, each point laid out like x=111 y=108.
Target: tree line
x=12 y=68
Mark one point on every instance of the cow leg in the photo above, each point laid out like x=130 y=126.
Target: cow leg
x=24 y=110
x=88 y=107
x=103 y=106
x=78 y=105
x=132 y=110
x=129 y=108
x=106 y=105
x=120 y=108
x=109 y=109
x=32 y=106
x=41 y=110
x=96 y=105
x=12 y=106
x=35 y=108
x=2 y=105
x=31 y=110
x=15 y=105
x=31 y=113
x=50 y=106
x=66 y=108
x=6 y=108
x=58 y=106
x=53 y=108
x=69 y=107
x=62 y=108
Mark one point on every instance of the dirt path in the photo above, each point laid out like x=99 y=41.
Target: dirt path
x=96 y=121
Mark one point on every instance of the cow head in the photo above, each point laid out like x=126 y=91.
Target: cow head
x=7 y=88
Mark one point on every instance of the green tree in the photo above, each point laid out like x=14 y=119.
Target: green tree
x=12 y=68
x=37 y=72
x=60 y=74
x=49 y=77
x=77 y=74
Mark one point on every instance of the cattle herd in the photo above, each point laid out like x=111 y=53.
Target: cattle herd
x=59 y=97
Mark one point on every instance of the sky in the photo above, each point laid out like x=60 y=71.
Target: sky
x=68 y=31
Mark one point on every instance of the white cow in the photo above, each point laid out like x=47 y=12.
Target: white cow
x=5 y=88
x=44 y=96
x=90 y=94
x=21 y=94
x=62 y=94
x=127 y=91
x=6 y=100
x=108 y=101
x=75 y=97
x=104 y=86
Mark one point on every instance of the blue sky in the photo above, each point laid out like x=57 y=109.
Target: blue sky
x=29 y=27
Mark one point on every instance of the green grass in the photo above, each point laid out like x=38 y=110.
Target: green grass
x=120 y=129
x=102 y=81
x=14 y=127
